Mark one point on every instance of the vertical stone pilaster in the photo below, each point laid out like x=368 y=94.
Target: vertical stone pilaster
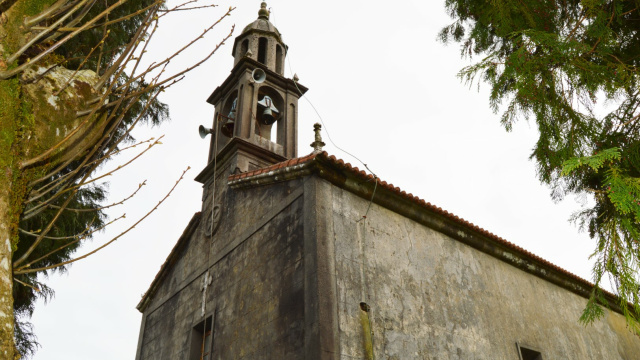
x=321 y=310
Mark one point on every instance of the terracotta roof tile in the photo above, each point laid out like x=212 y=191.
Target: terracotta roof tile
x=354 y=170
x=280 y=165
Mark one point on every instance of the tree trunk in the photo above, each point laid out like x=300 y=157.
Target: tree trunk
x=7 y=346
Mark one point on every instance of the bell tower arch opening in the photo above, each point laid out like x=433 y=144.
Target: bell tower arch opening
x=262 y=50
x=256 y=106
x=279 y=60
x=244 y=47
x=229 y=112
x=269 y=111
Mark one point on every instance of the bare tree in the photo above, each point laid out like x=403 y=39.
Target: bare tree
x=73 y=84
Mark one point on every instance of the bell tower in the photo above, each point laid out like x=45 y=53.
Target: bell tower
x=256 y=107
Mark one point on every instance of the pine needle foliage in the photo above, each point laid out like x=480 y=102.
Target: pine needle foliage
x=558 y=62
x=78 y=225
x=73 y=228
x=73 y=86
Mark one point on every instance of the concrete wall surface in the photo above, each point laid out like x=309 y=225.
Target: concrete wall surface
x=432 y=297
x=291 y=263
x=256 y=296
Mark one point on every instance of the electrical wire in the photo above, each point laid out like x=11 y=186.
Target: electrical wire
x=371 y=200
x=326 y=129
x=215 y=168
x=213 y=207
x=375 y=177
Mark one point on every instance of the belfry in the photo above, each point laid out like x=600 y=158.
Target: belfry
x=256 y=107
x=307 y=257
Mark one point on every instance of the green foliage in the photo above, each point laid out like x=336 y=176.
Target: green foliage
x=119 y=34
x=9 y=94
x=78 y=54
x=595 y=162
x=624 y=194
x=82 y=52
x=557 y=62
x=81 y=219
x=14 y=25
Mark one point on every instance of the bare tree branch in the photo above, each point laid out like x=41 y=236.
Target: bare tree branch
x=51 y=10
x=143 y=183
x=76 y=19
x=20 y=68
x=124 y=94
x=23 y=270
x=82 y=233
x=44 y=33
x=77 y=239
x=27 y=285
x=127 y=52
x=109 y=22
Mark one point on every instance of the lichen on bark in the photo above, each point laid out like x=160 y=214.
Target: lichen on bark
x=31 y=112
x=69 y=94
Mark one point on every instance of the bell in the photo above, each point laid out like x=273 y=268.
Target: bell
x=267 y=117
x=227 y=127
x=270 y=113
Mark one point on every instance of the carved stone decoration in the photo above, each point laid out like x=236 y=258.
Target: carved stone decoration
x=213 y=220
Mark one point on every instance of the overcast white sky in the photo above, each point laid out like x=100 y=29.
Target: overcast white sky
x=387 y=92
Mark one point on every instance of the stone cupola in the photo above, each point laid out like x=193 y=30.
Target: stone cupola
x=261 y=41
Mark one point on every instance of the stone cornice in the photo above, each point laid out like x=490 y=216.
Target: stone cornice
x=248 y=64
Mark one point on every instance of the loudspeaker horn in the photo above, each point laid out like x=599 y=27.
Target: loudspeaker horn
x=259 y=76
x=203 y=131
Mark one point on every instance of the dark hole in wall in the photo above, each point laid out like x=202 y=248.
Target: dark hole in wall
x=244 y=47
x=364 y=307
x=279 y=59
x=262 y=50
x=528 y=354
x=202 y=340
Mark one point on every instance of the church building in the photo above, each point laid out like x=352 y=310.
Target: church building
x=307 y=257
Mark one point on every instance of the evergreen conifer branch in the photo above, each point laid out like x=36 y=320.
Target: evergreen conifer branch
x=556 y=62
x=55 y=188
x=25 y=270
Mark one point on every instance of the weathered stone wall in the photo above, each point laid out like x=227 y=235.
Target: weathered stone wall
x=270 y=51
x=256 y=297
x=258 y=293
x=291 y=262
x=432 y=297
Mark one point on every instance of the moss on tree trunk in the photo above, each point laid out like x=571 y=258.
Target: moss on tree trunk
x=34 y=117
x=11 y=197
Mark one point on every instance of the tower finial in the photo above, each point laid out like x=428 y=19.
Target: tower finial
x=263 y=13
x=318 y=144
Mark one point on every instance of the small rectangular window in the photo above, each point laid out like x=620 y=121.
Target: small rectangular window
x=528 y=353
x=202 y=340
